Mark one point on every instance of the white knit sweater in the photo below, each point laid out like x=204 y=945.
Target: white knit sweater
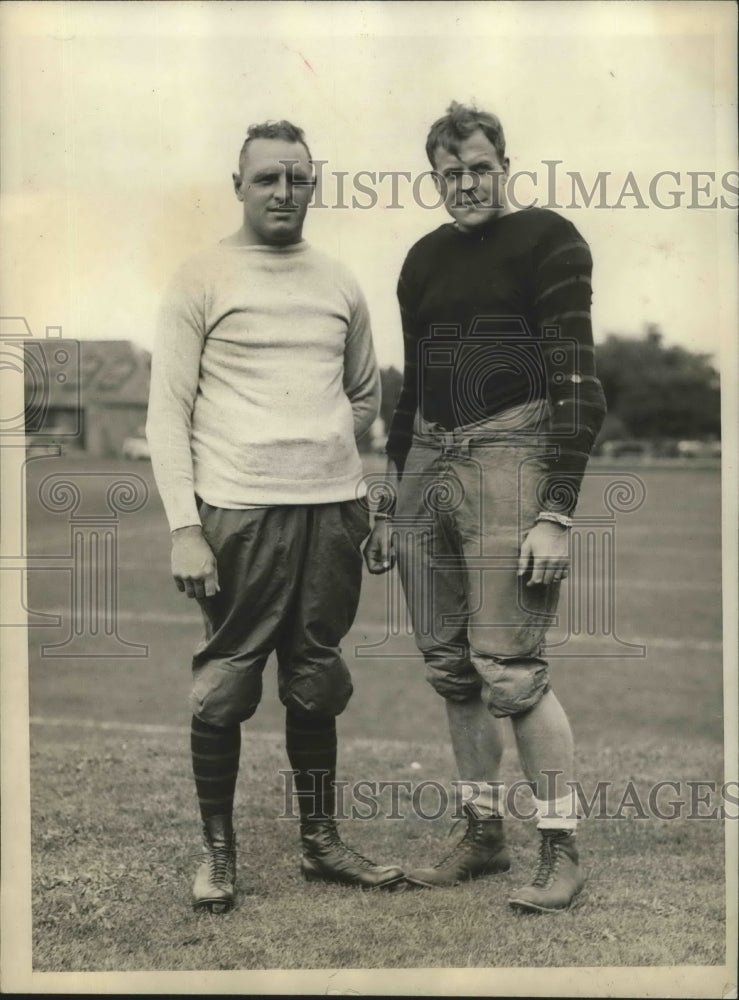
x=263 y=375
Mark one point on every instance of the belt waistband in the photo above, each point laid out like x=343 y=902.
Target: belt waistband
x=525 y=420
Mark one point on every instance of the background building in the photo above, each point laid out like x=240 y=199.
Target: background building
x=88 y=395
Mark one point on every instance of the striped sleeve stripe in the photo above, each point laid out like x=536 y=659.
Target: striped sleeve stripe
x=580 y=354
x=581 y=280
x=564 y=248
x=577 y=348
x=574 y=314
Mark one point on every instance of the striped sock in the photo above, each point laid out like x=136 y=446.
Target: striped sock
x=215 y=765
x=311 y=749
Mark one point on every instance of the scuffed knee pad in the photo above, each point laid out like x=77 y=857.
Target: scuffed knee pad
x=511 y=685
x=454 y=681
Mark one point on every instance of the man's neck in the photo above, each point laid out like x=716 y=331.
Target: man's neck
x=488 y=225
x=244 y=238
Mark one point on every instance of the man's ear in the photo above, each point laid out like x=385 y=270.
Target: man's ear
x=237 y=186
x=506 y=165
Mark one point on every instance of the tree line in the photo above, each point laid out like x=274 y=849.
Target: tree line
x=655 y=392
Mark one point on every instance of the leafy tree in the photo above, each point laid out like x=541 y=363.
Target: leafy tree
x=655 y=391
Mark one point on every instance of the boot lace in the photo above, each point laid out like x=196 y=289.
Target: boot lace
x=471 y=834
x=360 y=859
x=546 y=866
x=220 y=860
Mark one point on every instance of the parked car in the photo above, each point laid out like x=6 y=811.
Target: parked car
x=613 y=449
x=136 y=448
x=699 y=449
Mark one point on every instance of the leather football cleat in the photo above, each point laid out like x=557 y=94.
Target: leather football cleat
x=326 y=858
x=558 y=878
x=481 y=851
x=213 y=888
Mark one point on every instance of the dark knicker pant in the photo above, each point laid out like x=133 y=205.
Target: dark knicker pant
x=290 y=579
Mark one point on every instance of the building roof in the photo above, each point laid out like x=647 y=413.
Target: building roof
x=90 y=372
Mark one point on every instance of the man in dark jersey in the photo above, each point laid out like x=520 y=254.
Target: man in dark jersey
x=488 y=445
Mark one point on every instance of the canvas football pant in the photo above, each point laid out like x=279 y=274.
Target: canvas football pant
x=467 y=498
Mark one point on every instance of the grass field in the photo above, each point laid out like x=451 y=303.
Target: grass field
x=114 y=824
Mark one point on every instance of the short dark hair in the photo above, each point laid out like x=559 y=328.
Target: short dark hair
x=272 y=130
x=458 y=124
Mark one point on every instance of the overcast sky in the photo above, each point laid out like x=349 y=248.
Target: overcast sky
x=122 y=124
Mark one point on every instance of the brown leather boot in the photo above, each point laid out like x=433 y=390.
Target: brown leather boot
x=327 y=858
x=481 y=851
x=213 y=888
x=558 y=878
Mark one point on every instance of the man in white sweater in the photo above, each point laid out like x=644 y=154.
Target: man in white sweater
x=263 y=376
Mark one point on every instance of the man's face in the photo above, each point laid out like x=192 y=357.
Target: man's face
x=472 y=181
x=275 y=187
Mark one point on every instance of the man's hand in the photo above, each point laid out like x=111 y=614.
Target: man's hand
x=193 y=563
x=545 y=551
x=379 y=554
